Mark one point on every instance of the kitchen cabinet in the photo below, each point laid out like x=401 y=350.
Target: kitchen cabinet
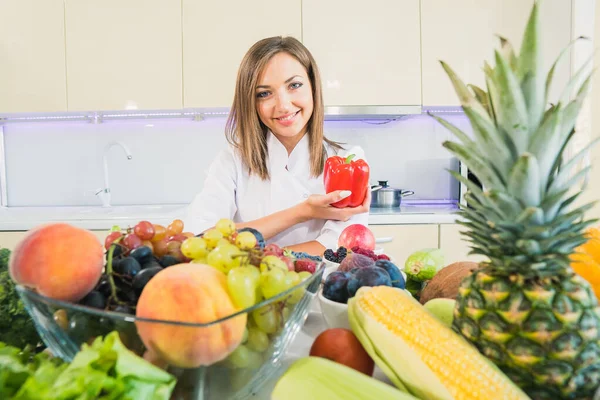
x=368 y=53
x=405 y=239
x=462 y=33
x=32 y=70
x=9 y=239
x=123 y=54
x=217 y=34
x=454 y=246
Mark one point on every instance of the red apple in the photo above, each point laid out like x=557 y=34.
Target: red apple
x=342 y=346
x=357 y=235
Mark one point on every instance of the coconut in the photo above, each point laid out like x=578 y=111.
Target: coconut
x=446 y=282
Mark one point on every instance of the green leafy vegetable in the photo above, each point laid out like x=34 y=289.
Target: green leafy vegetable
x=16 y=326
x=106 y=370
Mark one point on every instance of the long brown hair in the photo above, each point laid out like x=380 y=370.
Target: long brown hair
x=247 y=133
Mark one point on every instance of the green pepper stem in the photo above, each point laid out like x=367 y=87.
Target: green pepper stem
x=349 y=158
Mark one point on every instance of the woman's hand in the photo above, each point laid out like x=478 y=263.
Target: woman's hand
x=319 y=206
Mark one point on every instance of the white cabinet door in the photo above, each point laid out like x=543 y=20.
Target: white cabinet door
x=367 y=51
x=9 y=239
x=454 y=245
x=123 y=54
x=405 y=239
x=463 y=33
x=217 y=34
x=32 y=54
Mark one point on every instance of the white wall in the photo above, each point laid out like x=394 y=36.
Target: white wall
x=60 y=164
x=592 y=192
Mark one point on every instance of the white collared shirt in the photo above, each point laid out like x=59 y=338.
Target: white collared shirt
x=230 y=192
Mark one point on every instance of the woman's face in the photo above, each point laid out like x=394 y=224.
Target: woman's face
x=284 y=99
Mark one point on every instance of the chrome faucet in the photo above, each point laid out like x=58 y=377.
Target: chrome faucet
x=104 y=194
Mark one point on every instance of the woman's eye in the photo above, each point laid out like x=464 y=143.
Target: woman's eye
x=296 y=85
x=262 y=95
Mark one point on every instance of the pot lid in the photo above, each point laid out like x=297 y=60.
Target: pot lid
x=385 y=187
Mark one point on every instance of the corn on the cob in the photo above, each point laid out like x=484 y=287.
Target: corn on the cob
x=421 y=355
x=318 y=378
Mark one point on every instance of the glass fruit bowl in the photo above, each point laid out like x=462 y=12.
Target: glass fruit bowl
x=271 y=326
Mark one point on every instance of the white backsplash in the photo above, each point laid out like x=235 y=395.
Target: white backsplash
x=60 y=164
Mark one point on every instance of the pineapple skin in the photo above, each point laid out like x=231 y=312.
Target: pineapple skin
x=543 y=333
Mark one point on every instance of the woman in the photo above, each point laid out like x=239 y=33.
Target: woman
x=271 y=177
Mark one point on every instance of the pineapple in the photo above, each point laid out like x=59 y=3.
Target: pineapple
x=525 y=308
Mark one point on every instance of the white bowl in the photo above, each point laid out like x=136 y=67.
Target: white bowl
x=334 y=313
x=330 y=266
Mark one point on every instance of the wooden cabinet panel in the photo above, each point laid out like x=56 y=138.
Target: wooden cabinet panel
x=454 y=246
x=217 y=34
x=406 y=239
x=32 y=54
x=124 y=54
x=463 y=33
x=368 y=52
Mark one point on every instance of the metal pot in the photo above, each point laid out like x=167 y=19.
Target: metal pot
x=383 y=196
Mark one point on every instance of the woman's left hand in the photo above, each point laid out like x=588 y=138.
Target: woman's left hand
x=319 y=206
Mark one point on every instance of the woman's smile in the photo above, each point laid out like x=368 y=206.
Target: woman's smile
x=288 y=120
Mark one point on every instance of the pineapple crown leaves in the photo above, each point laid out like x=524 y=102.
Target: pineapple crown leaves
x=517 y=153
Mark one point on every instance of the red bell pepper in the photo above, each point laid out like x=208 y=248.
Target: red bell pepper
x=344 y=174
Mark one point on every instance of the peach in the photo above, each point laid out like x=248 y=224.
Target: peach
x=189 y=293
x=59 y=261
x=342 y=346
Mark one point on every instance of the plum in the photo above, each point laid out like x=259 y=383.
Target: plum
x=394 y=272
x=353 y=261
x=368 y=276
x=334 y=287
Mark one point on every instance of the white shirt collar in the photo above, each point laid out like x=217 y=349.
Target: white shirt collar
x=296 y=162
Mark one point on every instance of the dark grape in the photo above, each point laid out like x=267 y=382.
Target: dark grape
x=142 y=254
x=334 y=287
x=117 y=252
x=151 y=263
x=94 y=299
x=368 y=276
x=127 y=266
x=395 y=274
x=78 y=326
x=167 y=261
x=123 y=309
x=103 y=286
x=141 y=279
x=128 y=295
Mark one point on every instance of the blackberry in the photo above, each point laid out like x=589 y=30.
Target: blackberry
x=342 y=252
x=329 y=255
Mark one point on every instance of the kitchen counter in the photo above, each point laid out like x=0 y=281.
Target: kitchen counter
x=415 y=212
x=100 y=218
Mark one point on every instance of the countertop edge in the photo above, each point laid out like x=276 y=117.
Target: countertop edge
x=407 y=219
x=104 y=224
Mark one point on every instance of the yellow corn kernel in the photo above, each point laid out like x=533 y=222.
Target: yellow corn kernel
x=464 y=372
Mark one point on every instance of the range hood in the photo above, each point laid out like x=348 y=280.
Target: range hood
x=332 y=113
x=349 y=113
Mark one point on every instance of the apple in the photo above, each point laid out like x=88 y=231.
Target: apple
x=342 y=346
x=357 y=235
